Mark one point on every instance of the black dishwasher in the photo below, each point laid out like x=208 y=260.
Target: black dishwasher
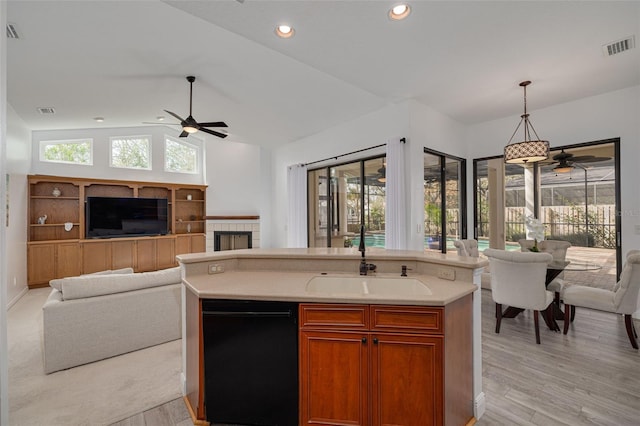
x=250 y=362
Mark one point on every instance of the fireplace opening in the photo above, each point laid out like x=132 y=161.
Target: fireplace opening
x=231 y=240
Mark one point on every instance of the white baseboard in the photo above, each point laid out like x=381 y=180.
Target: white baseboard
x=18 y=296
x=183 y=381
x=479 y=406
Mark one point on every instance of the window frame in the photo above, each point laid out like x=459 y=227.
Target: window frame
x=150 y=151
x=43 y=144
x=197 y=149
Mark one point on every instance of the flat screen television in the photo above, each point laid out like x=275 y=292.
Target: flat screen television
x=112 y=217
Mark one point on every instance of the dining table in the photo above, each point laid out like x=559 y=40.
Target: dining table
x=554 y=268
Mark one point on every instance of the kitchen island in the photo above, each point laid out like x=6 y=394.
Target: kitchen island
x=413 y=340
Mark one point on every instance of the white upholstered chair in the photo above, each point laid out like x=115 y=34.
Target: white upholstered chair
x=469 y=248
x=518 y=280
x=557 y=249
x=623 y=299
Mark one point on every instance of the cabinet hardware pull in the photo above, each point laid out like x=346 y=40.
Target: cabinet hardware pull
x=375 y=340
x=364 y=340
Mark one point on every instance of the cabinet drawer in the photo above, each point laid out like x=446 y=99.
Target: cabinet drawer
x=407 y=319
x=343 y=317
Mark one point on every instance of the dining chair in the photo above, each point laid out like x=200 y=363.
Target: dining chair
x=623 y=299
x=557 y=249
x=518 y=280
x=469 y=248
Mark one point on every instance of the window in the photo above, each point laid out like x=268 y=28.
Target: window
x=444 y=200
x=343 y=197
x=76 y=151
x=131 y=152
x=179 y=156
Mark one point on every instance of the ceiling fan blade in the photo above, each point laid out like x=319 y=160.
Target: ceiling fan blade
x=213 y=124
x=589 y=159
x=213 y=132
x=184 y=134
x=162 y=123
x=175 y=115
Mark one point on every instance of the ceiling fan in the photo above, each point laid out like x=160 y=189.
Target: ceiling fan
x=190 y=125
x=564 y=161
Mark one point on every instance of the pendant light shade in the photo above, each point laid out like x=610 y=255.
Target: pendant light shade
x=529 y=150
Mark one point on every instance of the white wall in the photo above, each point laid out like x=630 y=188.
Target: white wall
x=17 y=166
x=366 y=131
x=234 y=174
x=422 y=127
x=613 y=114
x=434 y=130
x=101 y=147
x=4 y=350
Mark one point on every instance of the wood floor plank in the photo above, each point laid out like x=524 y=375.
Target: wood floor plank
x=591 y=376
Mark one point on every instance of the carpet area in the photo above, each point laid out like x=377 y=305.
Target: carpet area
x=98 y=393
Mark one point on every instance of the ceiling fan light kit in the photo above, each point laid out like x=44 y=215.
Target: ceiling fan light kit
x=527 y=151
x=190 y=125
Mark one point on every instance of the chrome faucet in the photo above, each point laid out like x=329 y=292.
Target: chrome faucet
x=364 y=266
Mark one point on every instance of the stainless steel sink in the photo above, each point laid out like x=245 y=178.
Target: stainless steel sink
x=366 y=285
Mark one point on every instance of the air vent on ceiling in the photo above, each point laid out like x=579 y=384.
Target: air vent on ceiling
x=12 y=32
x=46 y=110
x=619 y=46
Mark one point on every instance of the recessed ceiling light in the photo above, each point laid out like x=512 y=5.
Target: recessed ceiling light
x=160 y=118
x=285 y=31
x=99 y=119
x=399 y=12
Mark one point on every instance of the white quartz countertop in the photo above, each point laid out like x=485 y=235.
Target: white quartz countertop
x=284 y=275
x=292 y=286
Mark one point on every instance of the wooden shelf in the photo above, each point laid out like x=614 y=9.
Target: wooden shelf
x=53 y=251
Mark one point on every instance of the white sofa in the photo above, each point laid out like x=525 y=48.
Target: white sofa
x=97 y=316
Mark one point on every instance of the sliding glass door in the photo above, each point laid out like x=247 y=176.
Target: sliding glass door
x=341 y=198
x=444 y=200
x=575 y=194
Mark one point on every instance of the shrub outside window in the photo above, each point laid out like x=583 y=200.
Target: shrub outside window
x=131 y=152
x=179 y=156
x=73 y=151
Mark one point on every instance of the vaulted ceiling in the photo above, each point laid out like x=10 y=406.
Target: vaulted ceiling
x=127 y=61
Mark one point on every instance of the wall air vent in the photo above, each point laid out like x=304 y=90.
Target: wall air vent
x=619 y=46
x=46 y=110
x=12 y=32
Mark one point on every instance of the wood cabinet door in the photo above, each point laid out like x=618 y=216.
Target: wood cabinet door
x=68 y=260
x=146 y=255
x=198 y=244
x=407 y=379
x=165 y=253
x=183 y=244
x=333 y=378
x=41 y=263
x=96 y=256
x=123 y=254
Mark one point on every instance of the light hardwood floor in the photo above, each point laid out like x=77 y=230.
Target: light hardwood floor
x=591 y=376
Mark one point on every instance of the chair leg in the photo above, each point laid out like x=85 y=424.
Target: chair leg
x=628 y=320
x=573 y=312
x=567 y=317
x=498 y=316
x=537 y=326
x=556 y=299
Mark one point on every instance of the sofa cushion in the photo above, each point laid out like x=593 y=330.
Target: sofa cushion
x=57 y=283
x=98 y=285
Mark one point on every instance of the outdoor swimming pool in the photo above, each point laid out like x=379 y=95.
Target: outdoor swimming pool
x=377 y=240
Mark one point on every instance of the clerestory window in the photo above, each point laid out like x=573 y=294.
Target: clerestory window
x=73 y=151
x=131 y=152
x=179 y=156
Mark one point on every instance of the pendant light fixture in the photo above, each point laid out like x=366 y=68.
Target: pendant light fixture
x=527 y=151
